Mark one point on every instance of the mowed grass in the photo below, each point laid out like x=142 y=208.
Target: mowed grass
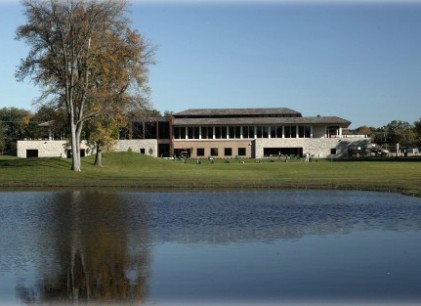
x=131 y=170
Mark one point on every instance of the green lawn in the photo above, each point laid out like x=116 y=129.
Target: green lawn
x=131 y=170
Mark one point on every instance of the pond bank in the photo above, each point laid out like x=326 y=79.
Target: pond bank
x=135 y=171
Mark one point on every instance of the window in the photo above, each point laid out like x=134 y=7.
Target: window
x=301 y=131
x=290 y=131
x=234 y=132
x=304 y=131
x=307 y=131
x=248 y=131
x=207 y=132
x=287 y=131
x=200 y=152
x=265 y=132
x=279 y=133
x=164 y=130
x=241 y=151
x=228 y=152
x=293 y=131
x=272 y=132
x=333 y=151
x=193 y=132
x=31 y=153
x=142 y=151
x=259 y=131
x=190 y=132
x=179 y=132
x=137 y=130
x=218 y=132
x=214 y=151
x=176 y=132
x=223 y=132
x=151 y=130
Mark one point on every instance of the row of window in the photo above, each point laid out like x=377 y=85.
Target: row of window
x=214 y=152
x=242 y=132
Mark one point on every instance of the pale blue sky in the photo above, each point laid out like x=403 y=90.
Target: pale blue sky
x=359 y=61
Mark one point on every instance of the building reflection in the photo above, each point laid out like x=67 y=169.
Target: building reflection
x=97 y=254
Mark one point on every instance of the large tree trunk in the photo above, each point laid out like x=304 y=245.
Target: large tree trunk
x=98 y=156
x=75 y=149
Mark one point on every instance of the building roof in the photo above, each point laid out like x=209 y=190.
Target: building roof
x=329 y=120
x=237 y=112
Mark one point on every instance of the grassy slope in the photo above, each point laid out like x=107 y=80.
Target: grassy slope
x=138 y=171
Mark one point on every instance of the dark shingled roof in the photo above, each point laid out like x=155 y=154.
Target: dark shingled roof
x=237 y=112
x=330 y=120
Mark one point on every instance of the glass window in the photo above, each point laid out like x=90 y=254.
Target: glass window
x=293 y=131
x=307 y=131
x=196 y=132
x=207 y=132
x=231 y=132
x=251 y=132
x=190 y=132
x=228 y=152
x=259 y=131
x=245 y=132
x=279 y=132
x=287 y=131
x=273 y=132
x=241 y=151
x=223 y=132
x=234 y=132
x=301 y=131
x=248 y=131
x=179 y=132
x=176 y=132
x=218 y=132
x=214 y=151
x=200 y=152
x=164 y=130
x=265 y=131
x=238 y=132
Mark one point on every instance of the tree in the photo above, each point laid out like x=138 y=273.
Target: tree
x=417 y=129
x=57 y=123
x=396 y=131
x=102 y=132
x=85 y=57
x=365 y=130
x=2 y=138
x=15 y=123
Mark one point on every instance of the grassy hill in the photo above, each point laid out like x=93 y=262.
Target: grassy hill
x=131 y=170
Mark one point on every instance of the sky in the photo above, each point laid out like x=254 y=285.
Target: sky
x=359 y=60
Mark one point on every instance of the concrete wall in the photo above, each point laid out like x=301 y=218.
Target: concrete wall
x=47 y=148
x=59 y=148
x=318 y=147
x=148 y=146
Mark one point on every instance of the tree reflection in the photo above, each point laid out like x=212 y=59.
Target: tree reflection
x=92 y=260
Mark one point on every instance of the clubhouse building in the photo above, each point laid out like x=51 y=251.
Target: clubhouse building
x=226 y=133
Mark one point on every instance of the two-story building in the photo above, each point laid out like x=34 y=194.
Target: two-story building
x=232 y=133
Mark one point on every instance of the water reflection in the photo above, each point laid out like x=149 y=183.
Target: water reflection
x=90 y=259
x=227 y=217
x=140 y=247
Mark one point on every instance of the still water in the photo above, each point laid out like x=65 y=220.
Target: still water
x=181 y=248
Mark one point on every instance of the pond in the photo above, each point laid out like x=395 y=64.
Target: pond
x=222 y=247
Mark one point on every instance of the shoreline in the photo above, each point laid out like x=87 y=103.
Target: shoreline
x=131 y=171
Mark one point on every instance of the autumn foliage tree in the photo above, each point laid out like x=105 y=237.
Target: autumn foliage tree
x=85 y=57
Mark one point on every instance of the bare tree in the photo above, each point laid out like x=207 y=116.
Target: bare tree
x=86 y=58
